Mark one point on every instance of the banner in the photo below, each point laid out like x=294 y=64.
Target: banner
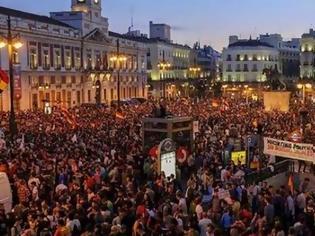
x=17 y=83
x=297 y=151
x=277 y=101
x=239 y=157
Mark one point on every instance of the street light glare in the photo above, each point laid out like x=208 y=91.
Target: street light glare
x=308 y=86
x=299 y=86
x=2 y=44
x=17 y=45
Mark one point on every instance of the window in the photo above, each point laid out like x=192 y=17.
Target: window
x=63 y=79
x=33 y=58
x=245 y=57
x=89 y=61
x=57 y=60
x=46 y=64
x=52 y=80
x=98 y=61
x=245 y=67
x=238 y=67
x=238 y=77
x=254 y=57
x=229 y=68
x=238 y=57
x=68 y=60
x=229 y=58
x=254 y=67
x=15 y=57
x=105 y=95
x=73 y=80
x=89 y=95
x=41 y=80
x=77 y=60
x=111 y=94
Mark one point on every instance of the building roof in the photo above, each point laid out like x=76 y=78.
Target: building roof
x=31 y=16
x=145 y=39
x=250 y=43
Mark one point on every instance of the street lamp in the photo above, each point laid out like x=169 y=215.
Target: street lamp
x=11 y=41
x=303 y=87
x=224 y=88
x=118 y=58
x=163 y=65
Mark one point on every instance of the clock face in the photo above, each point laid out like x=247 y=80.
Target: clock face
x=96 y=1
x=81 y=1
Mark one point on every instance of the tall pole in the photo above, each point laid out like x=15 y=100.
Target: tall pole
x=12 y=122
x=303 y=94
x=163 y=79
x=118 y=76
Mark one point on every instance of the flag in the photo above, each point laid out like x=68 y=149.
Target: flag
x=290 y=183
x=4 y=80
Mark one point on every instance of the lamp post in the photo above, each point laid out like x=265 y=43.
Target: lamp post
x=195 y=70
x=163 y=65
x=118 y=58
x=12 y=42
x=303 y=87
x=224 y=86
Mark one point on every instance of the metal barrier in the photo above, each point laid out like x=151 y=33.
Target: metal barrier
x=268 y=172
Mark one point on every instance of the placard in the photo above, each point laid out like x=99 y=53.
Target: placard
x=239 y=157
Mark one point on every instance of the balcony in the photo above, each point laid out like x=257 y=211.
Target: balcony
x=58 y=67
x=33 y=66
x=46 y=67
x=238 y=70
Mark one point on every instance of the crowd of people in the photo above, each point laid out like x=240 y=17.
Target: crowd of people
x=85 y=173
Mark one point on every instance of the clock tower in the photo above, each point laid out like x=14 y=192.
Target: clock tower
x=85 y=15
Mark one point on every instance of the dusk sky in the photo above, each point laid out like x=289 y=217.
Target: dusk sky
x=207 y=21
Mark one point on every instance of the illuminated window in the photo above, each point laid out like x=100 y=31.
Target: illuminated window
x=46 y=64
x=33 y=58
x=68 y=60
x=57 y=60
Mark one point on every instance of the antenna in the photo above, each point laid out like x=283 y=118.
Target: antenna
x=131 y=13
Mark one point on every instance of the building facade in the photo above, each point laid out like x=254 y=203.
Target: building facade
x=160 y=31
x=67 y=59
x=168 y=66
x=245 y=60
x=307 y=55
x=289 y=54
x=207 y=59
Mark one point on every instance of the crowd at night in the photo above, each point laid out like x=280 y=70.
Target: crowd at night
x=83 y=172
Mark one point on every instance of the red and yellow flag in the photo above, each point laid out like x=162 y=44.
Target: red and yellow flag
x=4 y=80
x=291 y=184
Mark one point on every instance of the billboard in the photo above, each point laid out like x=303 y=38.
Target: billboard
x=297 y=151
x=277 y=101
